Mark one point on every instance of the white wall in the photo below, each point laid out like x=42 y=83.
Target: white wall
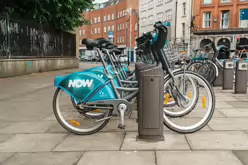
x=181 y=18
x=157 y=7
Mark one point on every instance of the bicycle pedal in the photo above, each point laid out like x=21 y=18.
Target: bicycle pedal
x=120 y=126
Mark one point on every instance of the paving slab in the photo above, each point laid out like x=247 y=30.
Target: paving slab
x=239 y=104
x=44 y=95
x=27 y=127
x=229 y=124
x=242 y=155
x=5 y=156
x=56 y=128
x=5 y=137
x=24 y=111
x=222 y=104
x=118 y=157
x=200 y=113
x=227 y=98
x=98 y=141
x=197 y=158
x=4 y=124
x=218 y=140
x=171 y=141
x=234 y=112
x=112 y=126
x=186 y=122
x=45 y=158
x=31 y=142
x=241 y=98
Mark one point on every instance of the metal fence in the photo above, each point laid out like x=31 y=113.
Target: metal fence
x=27 y=39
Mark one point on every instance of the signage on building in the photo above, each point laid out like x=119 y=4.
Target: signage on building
x=111 y=34
x=244 y=14
x=167 y=23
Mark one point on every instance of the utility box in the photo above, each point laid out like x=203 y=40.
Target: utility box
x=138 y=68
x=241 y=77
x=150 y=108
x=228 y=75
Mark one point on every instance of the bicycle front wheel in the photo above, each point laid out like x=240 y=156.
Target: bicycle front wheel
x=202 y=112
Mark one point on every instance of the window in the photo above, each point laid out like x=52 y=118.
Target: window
x=123 y=26
x=80 y=32
x=168 y=15
x=120 y=13
x=104 y=18
x=122 y=39
x=99 y=19
x=108 y=17
x=136 y=26
x=95 y=20
x=244 y=18
x=160 y=16
x=92 y=31
x=92 y=21
x=150 y=19
x=95 y=30
x=184 y=9
x=113 y=27
x=207 y=2
x=118 y=41
x=151 y=4
x=207 y=19
x=143 y=22
x=225 y=1
x=183 y=29
x=118 y=16
x=108 y=28
x=160 y=2
x=105 y=29
x=98 y=30
x=83 y=31
x=113 y=16
x=225 y=19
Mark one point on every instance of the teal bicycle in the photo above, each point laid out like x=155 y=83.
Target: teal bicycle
x=103 y=94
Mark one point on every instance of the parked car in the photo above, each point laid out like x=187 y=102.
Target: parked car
x=123 y=59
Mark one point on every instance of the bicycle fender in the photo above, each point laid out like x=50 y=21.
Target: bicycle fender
x=82 y=85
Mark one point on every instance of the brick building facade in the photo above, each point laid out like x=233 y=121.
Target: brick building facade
x=112 y=17
x=220 y=20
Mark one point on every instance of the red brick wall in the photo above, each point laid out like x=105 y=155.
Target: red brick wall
x=122 y=6
x=216 y=8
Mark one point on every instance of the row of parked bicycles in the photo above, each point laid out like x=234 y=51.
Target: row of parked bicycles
x=85 y=101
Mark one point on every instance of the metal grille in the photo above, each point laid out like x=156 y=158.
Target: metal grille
x=27 y=39
x=171 y=54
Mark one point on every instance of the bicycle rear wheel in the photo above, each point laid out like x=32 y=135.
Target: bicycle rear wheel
x=208 y=71
x=202 y=112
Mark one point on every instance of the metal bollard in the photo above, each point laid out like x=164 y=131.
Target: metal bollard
x=150 y=109
x=241 y=77
x=228 y=75
x=219 y=80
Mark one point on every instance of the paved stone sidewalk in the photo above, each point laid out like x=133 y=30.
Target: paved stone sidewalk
x=30 y=135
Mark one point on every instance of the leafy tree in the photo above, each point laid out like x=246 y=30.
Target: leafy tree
x=60 y=14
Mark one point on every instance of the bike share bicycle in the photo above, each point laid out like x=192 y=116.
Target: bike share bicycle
x=93 y=92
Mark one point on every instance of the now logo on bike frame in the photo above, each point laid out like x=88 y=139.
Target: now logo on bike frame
x=78 y=83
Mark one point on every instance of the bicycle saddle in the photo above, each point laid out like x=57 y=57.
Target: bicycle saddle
x=90 y=43
x=105 y=45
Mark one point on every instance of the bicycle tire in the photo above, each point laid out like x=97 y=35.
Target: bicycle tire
x=210 y=113
x=57 y=115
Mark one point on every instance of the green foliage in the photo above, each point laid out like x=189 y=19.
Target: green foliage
x=59 y=14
